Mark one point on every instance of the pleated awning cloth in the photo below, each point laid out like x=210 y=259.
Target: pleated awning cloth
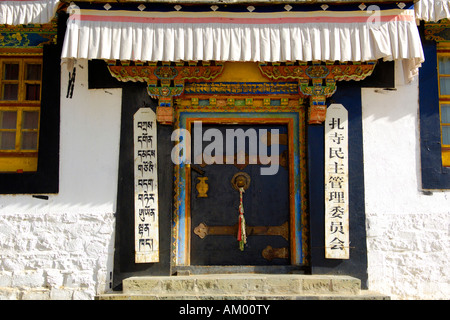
x=312 y=33
x=27 y=11
x=432 y=10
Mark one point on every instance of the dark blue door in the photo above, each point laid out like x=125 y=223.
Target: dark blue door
x=215 y=205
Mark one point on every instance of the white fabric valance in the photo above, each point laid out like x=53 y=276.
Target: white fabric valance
x=324 y=35
x=432 y=10
x=27 y=11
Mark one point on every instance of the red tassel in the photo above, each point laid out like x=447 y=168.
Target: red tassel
x=241 y=236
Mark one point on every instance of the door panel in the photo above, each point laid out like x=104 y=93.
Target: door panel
x=214 y=218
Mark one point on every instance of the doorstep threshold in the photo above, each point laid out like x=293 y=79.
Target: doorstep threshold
x=196 y=270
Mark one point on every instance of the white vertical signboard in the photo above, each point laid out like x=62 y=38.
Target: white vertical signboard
x=336 y=183
x=146 y=231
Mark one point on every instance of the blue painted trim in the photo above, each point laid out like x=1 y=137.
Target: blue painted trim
x=434 y=175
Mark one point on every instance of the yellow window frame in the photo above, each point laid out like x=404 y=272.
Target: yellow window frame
x=443 y=51
x=20 y=159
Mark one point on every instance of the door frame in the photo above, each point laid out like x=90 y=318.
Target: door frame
x=258 y=113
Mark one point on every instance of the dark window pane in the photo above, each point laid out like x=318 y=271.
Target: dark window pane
x=29 y=140
x=33 y=92
x=10 y=91
x=445 y=113
x=446 y=135
x=33 y=72
x=444 y=65
x=7 y=140
x=11 y=71
x=8 y=119
x=30 y=120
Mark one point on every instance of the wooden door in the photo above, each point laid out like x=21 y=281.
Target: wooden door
x=215 y=207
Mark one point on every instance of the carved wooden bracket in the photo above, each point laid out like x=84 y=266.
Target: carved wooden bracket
x=164 y=80
x=317 y=81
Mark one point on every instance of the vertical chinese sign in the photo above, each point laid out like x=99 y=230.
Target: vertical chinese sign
x=336 y=183
x=146 y=232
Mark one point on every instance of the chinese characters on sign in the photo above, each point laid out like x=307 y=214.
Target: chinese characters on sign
x=146 y=232
x=336 y=183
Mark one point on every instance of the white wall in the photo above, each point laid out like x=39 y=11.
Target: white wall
x=62 y=248
x=408 y=232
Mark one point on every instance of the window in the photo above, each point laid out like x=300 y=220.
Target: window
x=20 y=106
x=30 y=92
x=444 y=105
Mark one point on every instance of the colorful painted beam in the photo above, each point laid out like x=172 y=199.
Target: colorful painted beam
x=317 y=81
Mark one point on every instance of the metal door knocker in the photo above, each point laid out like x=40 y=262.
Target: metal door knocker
x=240 y=180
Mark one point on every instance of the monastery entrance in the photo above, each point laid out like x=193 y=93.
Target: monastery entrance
x=242 y=156
x=227 y=212
x=239 y=205
x=240 y=200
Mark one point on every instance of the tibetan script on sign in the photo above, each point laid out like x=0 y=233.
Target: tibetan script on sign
x=336 y=183
x=146 y=232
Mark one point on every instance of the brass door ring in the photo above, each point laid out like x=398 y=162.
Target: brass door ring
x=240 y=180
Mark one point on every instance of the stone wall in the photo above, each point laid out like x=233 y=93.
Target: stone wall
x=55 y=256
x=409 y=255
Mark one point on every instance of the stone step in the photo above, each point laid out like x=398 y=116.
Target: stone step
x=239 y=284
x=363 y=295
x=242 y=286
